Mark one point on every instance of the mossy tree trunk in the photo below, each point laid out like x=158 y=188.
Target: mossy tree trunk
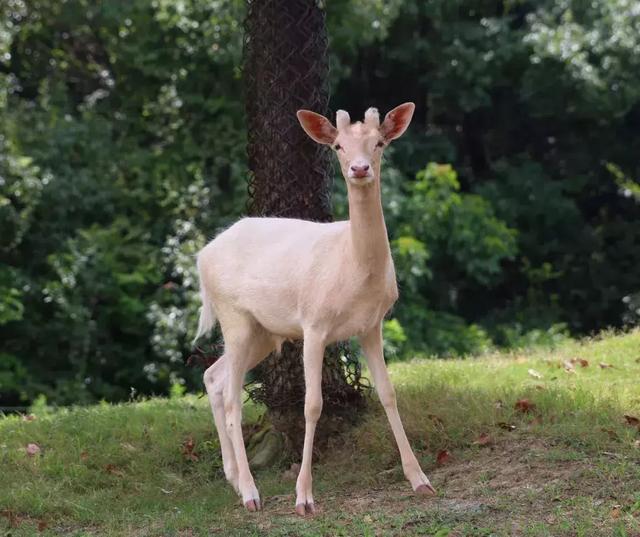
x=285 y=69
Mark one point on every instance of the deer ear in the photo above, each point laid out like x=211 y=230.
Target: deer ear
x=318 y=127
x=397 y=121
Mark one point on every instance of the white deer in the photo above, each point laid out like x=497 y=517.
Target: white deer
x=268 y=280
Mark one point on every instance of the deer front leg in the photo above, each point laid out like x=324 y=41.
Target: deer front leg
x=313 y=353
x=372 y=348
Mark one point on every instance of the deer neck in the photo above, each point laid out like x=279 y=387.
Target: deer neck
x=369 y=240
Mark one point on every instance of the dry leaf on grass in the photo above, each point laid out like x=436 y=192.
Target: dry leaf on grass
x=32 y=449
x=604 y=365
x=443 y=457
x=483 y=440
x=632 y=421
x=506 y=426
x=42 y=525
x=581 y=361
x=568 y=366
x=535 y=374
x=615 y=511
x=524 y=406
x=12 y=517
x=612 y=434
x=435 y=419
x=113 y=470
x=188 y=450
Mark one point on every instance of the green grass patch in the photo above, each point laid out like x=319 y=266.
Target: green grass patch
x=564 y=462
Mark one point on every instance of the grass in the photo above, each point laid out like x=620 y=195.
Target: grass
x=565 y=462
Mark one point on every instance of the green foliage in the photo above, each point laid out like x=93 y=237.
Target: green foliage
x=122 y=151
x=458 y=233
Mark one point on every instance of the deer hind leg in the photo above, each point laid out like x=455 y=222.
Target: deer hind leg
x=313 y=354
x=372 y=349
x=215 y=379
x=246 y=344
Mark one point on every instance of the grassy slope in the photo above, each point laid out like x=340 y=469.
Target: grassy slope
x=120 y=470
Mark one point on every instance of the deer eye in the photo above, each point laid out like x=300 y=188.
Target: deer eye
x=380 y=144
x=337 y=147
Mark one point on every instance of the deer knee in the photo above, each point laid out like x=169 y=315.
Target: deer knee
x=209 y=377
x=214 y=380
x=387 y=395
x=313 y=408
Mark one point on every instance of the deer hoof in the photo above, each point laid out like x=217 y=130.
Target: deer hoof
x=303 y=509
x=425 y=490
x=253 y=505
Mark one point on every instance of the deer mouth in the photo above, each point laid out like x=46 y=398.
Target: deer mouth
x=360 y=174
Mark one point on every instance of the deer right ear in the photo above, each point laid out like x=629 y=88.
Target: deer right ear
x=318 y=127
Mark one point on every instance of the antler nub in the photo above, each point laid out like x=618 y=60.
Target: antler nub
x=372 y=117
x=342 y=119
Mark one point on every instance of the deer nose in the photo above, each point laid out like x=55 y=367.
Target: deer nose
x=360 y=171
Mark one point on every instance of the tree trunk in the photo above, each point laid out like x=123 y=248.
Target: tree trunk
x=285 y=69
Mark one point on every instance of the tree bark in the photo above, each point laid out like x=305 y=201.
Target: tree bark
x=285 y=69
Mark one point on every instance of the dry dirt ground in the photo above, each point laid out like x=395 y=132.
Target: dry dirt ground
x=515 y=488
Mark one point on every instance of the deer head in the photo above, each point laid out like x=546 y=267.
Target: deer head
x=358 y=146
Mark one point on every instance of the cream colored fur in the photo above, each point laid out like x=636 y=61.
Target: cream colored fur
x=271 y=279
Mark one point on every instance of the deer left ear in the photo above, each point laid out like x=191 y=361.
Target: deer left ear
x=397 y=121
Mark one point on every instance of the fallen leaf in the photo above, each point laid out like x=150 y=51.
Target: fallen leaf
x=128 y=447
x=188 y=450
x=632 y=421
x=113 y=470
x=535 y=374
x=506 y=426
x=581 y=361
x=483 y=440
x=612 y=434
x=32 y=449
x=568 y=366
x=12 y=517
x=540 y=387
x=524 y=405
x=615 y=511
x=604 y=365
x=84 y=456
x=165 y=491
x=435 y=419
x=443 y=456
x=42 y=525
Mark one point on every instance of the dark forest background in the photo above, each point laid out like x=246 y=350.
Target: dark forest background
x=512 y=202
